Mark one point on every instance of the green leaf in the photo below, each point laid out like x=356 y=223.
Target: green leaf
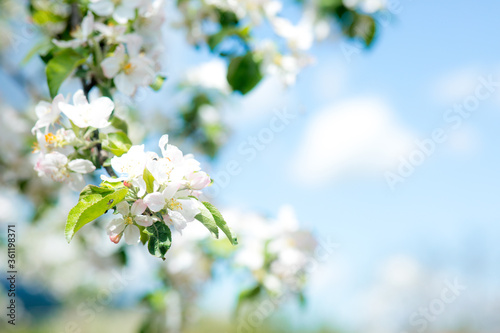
x=227 y=18
x=221 y=223
x=42 y=17
x=160 y=239
x=43 y=47
x=206 y=218
x=61 y=66
x=94 y=201
x=243 y=73
x=117 y=143
x=149 y=179
x=119 y=124
x=215 y=39
x=144 y=236
x=158 y=82
x=247 y=295
x=302 y=299
x=364 y=27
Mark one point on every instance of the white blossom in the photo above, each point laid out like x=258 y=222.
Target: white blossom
x=47 y=113
x=84 y=114
x=125 y=225
x=80 y=35
x=122 y=11
x=130 y=69
x=56 y=166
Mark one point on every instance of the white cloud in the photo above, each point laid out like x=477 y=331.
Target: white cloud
x=267 y=96
x=454 y=86
x=357 y=136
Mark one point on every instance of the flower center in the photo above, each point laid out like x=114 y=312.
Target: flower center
x=128 y=220
x=128 y=68
x=50 y=138
x=174 y=204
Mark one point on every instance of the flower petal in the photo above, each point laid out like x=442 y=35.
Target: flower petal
x=115 y=227
x=143 y=220
x=163 y=142
x=111 y=66
x=170 y=190
x=102 y=7
x=189 y=208
x=138 y=207
x=81 y=166
x=79 y=98
x=123 y=208
x=176 y=220
x=132 y=235
x=155 y=201
x=124 y=85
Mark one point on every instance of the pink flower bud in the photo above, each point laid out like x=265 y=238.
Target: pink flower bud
x=115 y=238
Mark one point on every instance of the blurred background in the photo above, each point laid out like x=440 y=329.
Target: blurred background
x=406 y=219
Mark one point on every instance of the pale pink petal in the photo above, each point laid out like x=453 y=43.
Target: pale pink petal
x=132 y=235
x=124 y=85
x=123 y=208
x=143 y=220
x=79 y=98
x=111 y=66
x=102 y=7
x=138 y=207
x=155 y=201
x=81 y=166
x=115 y=227
x=169 y=191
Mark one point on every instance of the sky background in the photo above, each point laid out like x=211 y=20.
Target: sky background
x=355 y=118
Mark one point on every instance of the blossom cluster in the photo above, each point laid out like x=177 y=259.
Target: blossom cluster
x=60 y=149
x=122 y=39
x=275 y=251
x=165 y=188
x=240 y=17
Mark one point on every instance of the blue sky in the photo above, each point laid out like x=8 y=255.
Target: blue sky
x=446 y=214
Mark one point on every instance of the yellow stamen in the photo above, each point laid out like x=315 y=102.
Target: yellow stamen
x=174 y=204
x=128 y=68
x=35 y=148
x=50 y=138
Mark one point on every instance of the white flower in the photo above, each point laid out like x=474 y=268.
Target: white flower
x=299 y=37
x=210 y=75
x=286 y=67
x=368 y=6
x=60 y=141
x=84 y=114
x=112 y=33
x=80 y=35
x=47 y=113
x=198 y=180
x=179 y=211
x=55 y=166
x=125 y=225
x=122 y=10
x=129 y=70
x=174 y=166
x=131 y=164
